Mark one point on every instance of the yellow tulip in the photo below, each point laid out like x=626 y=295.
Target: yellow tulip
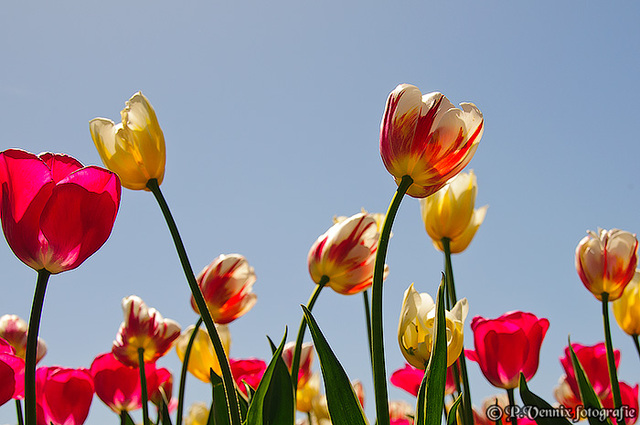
x=198 y=414
x=306 y=393
x=134 y=149
x=449 y=213
x=203 y=356
x=626 y=309
x=416 y=330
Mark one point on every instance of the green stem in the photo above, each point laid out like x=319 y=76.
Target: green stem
x=143 y=387
x=19 y=412
x=451 y=291
x=512 y=403
x=367 y=316
x=227 y=378
x=611 y=361
x=636 y=343
x=309 y=418
x=32 y=347
x=123 y=417
x=183 y=372
x=377 y=337
x=295 y=363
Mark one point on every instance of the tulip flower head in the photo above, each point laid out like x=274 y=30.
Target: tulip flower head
x=14 y=330
x=144 y=328
x=247 y=371
x=594 y=362
x=400 y=413
x=606 y=261
x=11 y=373
x=55 y=212
x=416 y=328
x=227 y=285
x=116 y=384
x=626 y=309
x=203 y=357
x=346 y=254
x=63 y=395
x=134 y=149
x=506 y=346
x=427 y=138
x=410 y=378
x=306 y=359
x=198 y=414
x=449 y=213
x=307 y=392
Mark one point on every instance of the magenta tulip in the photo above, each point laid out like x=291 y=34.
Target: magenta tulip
x=63 y=395
x=11 y=373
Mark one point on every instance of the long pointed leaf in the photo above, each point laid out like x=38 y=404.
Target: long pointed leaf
x=587 y=394
x=451 y=416
x=219 y=412
x=344 y=407
x=273 y=402
x=530 y=399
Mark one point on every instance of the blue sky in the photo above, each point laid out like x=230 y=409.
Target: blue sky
x=271 y=114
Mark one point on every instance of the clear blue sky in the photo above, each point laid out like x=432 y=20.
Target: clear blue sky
x=271 y=114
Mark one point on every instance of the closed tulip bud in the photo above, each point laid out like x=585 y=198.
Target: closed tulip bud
x=14 y=330
x=346 y=254
x=144 y=328
x=606 y=261
x=203 y=357
x=227 y=285
x=626 y=309
x=427 y=138
x=449 y=213
x=134 y=149
x=416 y=328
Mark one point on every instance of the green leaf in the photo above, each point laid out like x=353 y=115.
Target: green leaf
x=587 y=394
x=430 y=406
x=125 y=419
x=344 y=407
x=273 y=401
x=219 y=413
x=166 y=419
x=451 y=416
x=530 y=399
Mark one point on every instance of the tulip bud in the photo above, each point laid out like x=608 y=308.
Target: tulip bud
x=203 y=357
x=416 y=328
x=626 y=309
x=14 y=330
x=606 y=261
x=427 y=138
x=134 y=149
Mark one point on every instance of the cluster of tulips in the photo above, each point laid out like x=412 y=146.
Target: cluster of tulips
x=56 y=213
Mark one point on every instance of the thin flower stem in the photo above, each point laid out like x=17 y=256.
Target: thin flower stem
x=32 y=347
x=367 y=316
x=309 y=418
x=451 y=291
x=227 y=378
x=295 y=363
x=19 y=412
x=143 y=387
x=377 y=337
x=183 y=372
x=512 y=403
x=123 y=417
x=636 y=343
x=611 y=362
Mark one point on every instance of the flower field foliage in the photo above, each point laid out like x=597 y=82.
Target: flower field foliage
x=55 y=213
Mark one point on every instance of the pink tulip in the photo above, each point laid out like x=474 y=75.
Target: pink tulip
x=14 y=330
x=226 y=285
x=63 y=395
x=159 y=386
x=594 y=362
x=506 y=346
x=247 y=370
x=409 y=379
x=306 y=359
x=11 y=373
x=55 y=213
x=427 y=138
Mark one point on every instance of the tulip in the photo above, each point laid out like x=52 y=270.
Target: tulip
x=626 y=309
x=143 y=328
x=64 y=395
x=400 y=413
x=449 y=213
x=629 y=396
x=226 y=285
x=606 y=261
x=160 y=386
x=565 y=395
x=306 y=359
x=198 y=414
x=409 y=379
x=427 y=138
x=506 y=346
x=345 y=254
x=247 y=371
x=594 y=362
x=305 y=393
x=203 y=357
x=55 y=213
x=416 y=328
x=116 y=384
x=14 y=330
x=11 y=373
x=135 y=148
